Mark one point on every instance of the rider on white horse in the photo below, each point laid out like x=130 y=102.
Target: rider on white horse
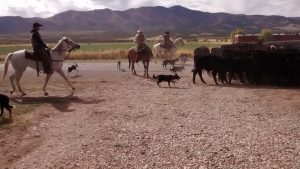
x=20 y=62
x=40 y=49
x=167 y=43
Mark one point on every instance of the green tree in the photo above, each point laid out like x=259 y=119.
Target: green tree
x=236 y=32
x=266 y=35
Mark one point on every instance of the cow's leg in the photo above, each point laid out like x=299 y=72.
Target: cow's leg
x=241 y=77
x=200 y=75
x=1 y=111
x=214 y=73
x=194 y=75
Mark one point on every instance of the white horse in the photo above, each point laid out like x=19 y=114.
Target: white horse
x=20 y=63
x=167 y=54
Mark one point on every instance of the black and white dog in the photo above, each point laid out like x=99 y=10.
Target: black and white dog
x=72 y=68
x=4 y=103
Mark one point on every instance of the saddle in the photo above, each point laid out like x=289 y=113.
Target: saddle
x=166 y=46
x=140 y=49
x=29 y=54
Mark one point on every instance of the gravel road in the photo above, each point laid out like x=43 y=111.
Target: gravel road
x=117 y=120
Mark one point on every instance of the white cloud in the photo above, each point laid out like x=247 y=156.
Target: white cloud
x=47 y=8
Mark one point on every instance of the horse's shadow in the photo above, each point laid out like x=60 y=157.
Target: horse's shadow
x=173 y=87
x=4 y=121
x=143 y=76
x=62 y=104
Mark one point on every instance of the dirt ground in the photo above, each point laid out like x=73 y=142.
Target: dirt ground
x=117 y=120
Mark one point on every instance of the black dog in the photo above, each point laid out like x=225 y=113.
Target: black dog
x=4 y=103
x=166 y=78
x=72 y=67
x=119 y=64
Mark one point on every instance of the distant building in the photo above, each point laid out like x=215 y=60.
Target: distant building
x=254 y=38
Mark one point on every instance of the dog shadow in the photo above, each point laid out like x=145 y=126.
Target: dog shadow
x=75 y=76
x=62 y=104
x=173 y=87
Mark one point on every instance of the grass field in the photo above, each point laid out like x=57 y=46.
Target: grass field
x=90 y=51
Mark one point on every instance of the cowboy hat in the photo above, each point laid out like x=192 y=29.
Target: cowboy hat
x=36 y=25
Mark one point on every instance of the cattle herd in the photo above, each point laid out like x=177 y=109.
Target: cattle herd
x=268 y=63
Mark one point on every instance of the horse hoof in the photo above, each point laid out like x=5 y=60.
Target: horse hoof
x=73 y=88
x=23 y=94
x=11 y=92
x=46 y=94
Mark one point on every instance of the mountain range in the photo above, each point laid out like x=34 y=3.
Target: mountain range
x=153 y=20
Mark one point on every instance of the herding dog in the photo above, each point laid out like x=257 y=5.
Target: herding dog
x=119 y=64
x=72 y=67
x=176 y=69
x=166 y=78
x=169 y=61
x=4 y=103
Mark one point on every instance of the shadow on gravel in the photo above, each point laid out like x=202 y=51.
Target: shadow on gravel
x=173 y=87
x=142 y=76
x=4 y=121
x=251 y=86
x=60 y=103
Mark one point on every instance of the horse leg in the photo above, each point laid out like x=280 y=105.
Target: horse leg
x=62 y=74
x=133 y=69
x=146 y=66
x=147 y=63
x=18 y=78
x=45 y=84
x=11 y=79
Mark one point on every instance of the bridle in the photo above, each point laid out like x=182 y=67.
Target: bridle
x=63 y=50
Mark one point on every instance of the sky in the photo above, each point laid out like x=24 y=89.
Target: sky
x=48 y=8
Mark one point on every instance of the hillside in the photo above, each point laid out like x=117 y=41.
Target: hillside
x=154 y=20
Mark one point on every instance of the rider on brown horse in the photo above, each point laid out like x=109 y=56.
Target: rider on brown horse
x=142 y=48
x=167 y=43
x=40 y=49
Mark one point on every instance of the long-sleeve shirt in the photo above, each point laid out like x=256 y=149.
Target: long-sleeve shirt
x=36 y=41
x=139 y=38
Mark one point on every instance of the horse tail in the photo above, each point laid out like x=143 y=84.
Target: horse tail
x=6 y=62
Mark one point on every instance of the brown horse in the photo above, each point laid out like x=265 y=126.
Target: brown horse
x=144 y=57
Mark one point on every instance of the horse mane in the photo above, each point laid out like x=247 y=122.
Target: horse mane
x=58 y=46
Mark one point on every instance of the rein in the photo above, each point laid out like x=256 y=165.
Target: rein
x=69 y=51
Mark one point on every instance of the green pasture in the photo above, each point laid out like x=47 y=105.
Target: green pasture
x=102 y=47
x=94 y=47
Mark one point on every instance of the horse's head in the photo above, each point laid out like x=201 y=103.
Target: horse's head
x=179 y=42
x=69 y=45
x=65 y=44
